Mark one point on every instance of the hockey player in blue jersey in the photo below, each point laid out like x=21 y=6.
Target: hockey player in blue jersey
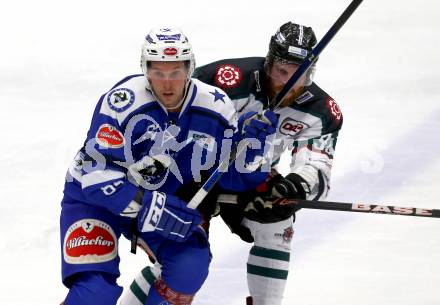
x=151 y=135
x=309 y=123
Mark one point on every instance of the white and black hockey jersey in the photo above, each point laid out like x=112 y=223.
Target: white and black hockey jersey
x=308 y=128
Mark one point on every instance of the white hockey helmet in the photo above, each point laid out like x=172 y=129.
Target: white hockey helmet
x=166 y=44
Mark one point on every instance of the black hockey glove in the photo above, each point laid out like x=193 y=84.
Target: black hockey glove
x=293 y=186
x=267 y=206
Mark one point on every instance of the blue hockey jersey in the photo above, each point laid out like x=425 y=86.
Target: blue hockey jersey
x=130 y=127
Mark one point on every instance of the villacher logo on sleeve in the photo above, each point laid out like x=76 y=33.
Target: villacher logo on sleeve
x=89 y=241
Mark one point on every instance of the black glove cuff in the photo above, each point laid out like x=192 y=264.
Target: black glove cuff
x=301 y=185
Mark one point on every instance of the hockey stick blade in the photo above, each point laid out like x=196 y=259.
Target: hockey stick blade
x=275 y=103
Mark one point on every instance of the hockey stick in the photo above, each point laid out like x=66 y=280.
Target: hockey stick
x=345 y=207
x=365 y=208
x=276 y=102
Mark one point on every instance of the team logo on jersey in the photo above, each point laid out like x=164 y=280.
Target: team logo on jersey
x=290 y=127
x=170 y=51
x=89 y=241
x=334 y=108
x=286 y=235
x=228 y=76
x=218 y=96
x=204 y=140
x=108 y=136
x=120 y=99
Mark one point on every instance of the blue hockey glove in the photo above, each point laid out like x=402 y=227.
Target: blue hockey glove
x=168 y=216
x=254 y=127
x=257 y=126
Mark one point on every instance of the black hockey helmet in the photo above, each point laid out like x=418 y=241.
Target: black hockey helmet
x=292 y=43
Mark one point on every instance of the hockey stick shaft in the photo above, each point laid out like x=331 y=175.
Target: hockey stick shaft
x=365 y=208
x=368 y=208
x=275 y=103
x=344 y=206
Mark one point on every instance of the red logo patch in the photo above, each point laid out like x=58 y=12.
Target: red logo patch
x=170 y=51
x=89 y=241
x=109 y=136
x=288 y=234
x=334 y=108
x=228 y=76
x=290 y=127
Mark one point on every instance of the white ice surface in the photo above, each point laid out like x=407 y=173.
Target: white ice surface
x=383 y=69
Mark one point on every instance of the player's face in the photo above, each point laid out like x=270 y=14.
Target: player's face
x=279 y=74
x=168 y=81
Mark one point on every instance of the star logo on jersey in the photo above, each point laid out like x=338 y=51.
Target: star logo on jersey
x=218 y=96
x=228 y=76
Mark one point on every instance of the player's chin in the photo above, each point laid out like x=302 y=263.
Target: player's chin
x=168 y=100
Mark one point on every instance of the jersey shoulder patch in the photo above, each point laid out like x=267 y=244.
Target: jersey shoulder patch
x=125 y=97
x=323 y=106
x=238 y=77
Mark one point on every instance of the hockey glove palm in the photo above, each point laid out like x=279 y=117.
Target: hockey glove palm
x=168 y=216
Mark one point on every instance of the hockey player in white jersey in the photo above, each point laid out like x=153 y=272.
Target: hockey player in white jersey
x=309 y=122
x=151 y=134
